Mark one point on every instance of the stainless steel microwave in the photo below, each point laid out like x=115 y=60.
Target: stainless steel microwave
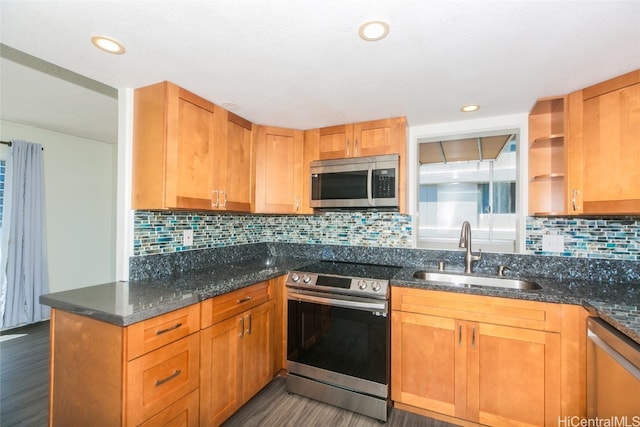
x=356 y=182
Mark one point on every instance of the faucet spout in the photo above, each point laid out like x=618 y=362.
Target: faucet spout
x=465 y=243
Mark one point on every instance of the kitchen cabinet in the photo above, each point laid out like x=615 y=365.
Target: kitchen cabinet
x=236 y=183
x=547 y=159
x=189 y=153
x=372 y=138
x=236 y=350
x=584 y=149
x=142 y=374
x=280 y=165
x=488 y=360
x=611 y=146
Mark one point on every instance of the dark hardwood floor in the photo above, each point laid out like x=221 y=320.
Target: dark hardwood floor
x=24 y=394
x=24 y=376
x=273 y=406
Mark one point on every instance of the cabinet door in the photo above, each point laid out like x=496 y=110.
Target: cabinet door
x=190 y=184
x=425 y=358
x=256 y=350
x=379 y=137
x=513 y=376
x=220 y=371
x=237 y=193
x=611 y=141
x=279 y=158
x=174 y=137
x=336 y=142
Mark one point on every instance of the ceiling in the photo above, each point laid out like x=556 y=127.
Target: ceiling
x=300 y=64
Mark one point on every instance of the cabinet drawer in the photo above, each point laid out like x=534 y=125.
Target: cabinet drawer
x=502 y=311
x=183 y=413
x=224 y=306
x=151 y=334
x=162 y=377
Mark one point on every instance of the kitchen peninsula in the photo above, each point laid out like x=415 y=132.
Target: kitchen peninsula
x=161 y=286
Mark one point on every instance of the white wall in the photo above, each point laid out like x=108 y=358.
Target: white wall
x=80 y=186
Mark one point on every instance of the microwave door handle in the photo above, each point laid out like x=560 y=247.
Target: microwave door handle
x=370 y=185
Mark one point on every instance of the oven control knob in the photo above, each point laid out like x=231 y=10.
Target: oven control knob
x=295 y=277
x=362 y=284
x=306 y=279
x=375 y=286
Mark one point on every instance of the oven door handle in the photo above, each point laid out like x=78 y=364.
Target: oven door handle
x=380 y=306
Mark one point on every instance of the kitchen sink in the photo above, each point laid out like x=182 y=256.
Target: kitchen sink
x=463 y=280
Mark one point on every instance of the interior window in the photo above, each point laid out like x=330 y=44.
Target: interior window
x=471 y=180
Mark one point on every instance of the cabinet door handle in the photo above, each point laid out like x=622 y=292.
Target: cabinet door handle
x=348 y=148
x=169 y=378
x=473 y=337
x=355 y=147
x=574 y=198
x=242 y=327
x=217 y=199
x=460 y=335
x=249 y=328
x=169 y=329
x=249 y=298
x=297 y=203
x=224 y=199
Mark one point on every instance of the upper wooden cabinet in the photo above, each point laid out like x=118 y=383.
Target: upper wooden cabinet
x=188 y=153
x=373 y=138
x=611 y=146
x=584 y=149
x=279 y=171
x=378 y=137
x=236 y=182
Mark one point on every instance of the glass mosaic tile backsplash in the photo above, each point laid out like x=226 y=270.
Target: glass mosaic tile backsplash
x=161 y=232
x=606 y=238
x=158 y=232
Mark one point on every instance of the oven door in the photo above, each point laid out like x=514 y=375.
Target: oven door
x=339 y=340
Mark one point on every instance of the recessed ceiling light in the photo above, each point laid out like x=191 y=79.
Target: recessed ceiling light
x=108 y=44
x=470 y=108
x=373 y=30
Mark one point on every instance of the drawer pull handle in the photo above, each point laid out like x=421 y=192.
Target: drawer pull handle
x=459 y=335
x=249 y=298
x=169 y=329
x=169 y=378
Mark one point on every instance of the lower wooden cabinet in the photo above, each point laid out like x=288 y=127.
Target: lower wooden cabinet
x=100 y=378
x=184 y=413
x=235 y=353
x=492 y=361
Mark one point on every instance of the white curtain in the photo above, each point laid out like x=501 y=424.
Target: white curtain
x=24 y=251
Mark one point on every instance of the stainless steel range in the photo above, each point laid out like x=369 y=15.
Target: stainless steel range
x=338 y=335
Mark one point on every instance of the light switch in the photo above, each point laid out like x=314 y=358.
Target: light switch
x=552 y=243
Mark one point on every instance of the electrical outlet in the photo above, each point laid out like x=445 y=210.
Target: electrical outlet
x=552 y=243
x=187 y=238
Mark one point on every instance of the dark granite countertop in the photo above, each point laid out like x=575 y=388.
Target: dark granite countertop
x=125 y=303
x=617 y=304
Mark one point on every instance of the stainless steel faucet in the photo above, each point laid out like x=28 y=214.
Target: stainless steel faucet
x=465 y=242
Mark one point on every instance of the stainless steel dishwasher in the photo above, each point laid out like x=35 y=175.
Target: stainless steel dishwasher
x=613 y=374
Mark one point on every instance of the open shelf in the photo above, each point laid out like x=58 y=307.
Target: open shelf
x=547 y=163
